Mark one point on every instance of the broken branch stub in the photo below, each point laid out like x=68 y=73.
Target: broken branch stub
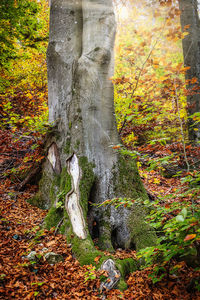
x=54 y=158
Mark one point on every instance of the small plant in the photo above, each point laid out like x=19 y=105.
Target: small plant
x=179 y=236
x=178 y=228
x=159 y=162
x=38 y=236
x=61 y=200
x=37 y=283
x=117 y=202
x=91 y=273
x=2 y=277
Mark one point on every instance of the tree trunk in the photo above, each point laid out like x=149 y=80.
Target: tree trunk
x=82 y=168
x=191 y=52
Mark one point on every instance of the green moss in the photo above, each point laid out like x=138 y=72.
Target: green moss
x=128 y=184
x=77 y=144
x=104 y=241
x=84 y=250
x=53 y=217
x=126 y=266
x=60 y=186
x=122 y=286
x=53 y=189
x=66 y=226
x=67 y=147
x=65 y=181
x=127 y=180
x=86 y=182
x=42 y=199
x=141 y=233
x=37 y=201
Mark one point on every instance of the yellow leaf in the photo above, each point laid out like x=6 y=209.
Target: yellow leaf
x=156 y=181
x=184 y=34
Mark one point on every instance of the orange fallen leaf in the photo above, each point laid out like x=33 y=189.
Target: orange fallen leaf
x=97 y=259
x=50 y=243
x=189 y=237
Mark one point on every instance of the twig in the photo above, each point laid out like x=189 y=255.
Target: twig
x=58 y=226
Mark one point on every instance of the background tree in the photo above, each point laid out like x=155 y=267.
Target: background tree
x=20 y=26
x=191 y=51
x=84 y=168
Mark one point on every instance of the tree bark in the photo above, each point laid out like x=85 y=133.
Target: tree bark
x=191 y=52
x=82 y=168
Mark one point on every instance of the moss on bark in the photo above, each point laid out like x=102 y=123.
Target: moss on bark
x=44 y=197
x=60 y=186
x=104 y=241
x=141 y=232
x=53 y=217
x=86 y=182
x=127 y=180
x=128 y=184
x=67 y=147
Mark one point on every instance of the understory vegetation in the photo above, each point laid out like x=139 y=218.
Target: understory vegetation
x=152 y=120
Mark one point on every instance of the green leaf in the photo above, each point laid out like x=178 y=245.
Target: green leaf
x=59 y=204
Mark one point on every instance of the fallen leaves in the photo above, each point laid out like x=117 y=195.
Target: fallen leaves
x=65 y=280
x=19 y=278
x=20 y=224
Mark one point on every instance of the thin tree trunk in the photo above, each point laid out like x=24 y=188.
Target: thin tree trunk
x=191 y=52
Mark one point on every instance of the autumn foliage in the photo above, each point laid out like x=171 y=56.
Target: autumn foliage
x=151 y=113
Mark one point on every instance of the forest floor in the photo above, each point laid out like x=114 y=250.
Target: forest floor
x=21 y=233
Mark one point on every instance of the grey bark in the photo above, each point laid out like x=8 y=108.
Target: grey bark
x=191 y=52
x=80 y=64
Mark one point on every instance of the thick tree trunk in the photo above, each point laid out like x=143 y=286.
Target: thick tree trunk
x=82 y=168
x=191 y=52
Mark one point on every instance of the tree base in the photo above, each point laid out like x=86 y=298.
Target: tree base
x=73 y=187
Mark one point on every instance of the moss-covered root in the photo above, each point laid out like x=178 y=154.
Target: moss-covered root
x=125 y=266
x=117 y=270
x=84 y=250
x=86 y=254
